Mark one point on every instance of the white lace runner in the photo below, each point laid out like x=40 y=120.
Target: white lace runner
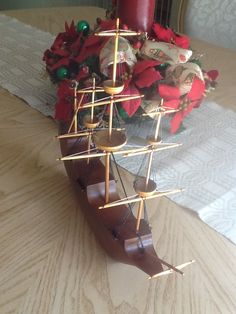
x=21 y=67
x=206 y=163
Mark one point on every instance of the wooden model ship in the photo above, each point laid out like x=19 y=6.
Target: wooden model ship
x=125 y=237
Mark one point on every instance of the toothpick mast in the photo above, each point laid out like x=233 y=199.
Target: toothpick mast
x=74 y=122
x=161 y=111
x=153 y=144
x=146 y=189
x=114 y=88
x=75 y=107
x=78 y=105
x=113 y=140
x=171 y=269
x=149 y=187
x=107 y=160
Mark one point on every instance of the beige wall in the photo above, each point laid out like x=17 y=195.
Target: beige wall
x=213 y=21
x=22 y=4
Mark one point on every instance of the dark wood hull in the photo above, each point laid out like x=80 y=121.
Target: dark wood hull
x=115 y=228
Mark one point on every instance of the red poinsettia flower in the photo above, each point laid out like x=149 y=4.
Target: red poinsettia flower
x=105 y=25
x=162 y=33
x=64 y=105
x=210 y=78
x=181 y=41
x=65 y=47
x=65 y=100
x=169 y=36
x=212 y=74
x=67 y=37
x=144 y=75
x=93 y=44
x=173 y=99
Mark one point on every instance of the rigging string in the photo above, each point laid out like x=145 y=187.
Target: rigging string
x=102 y=114
x=145 y=213
x=121 y=123
x=129 y=205
x=136 y=178
x=77 y=141
x=140 y=168
x=121 y=181
x=124 y=191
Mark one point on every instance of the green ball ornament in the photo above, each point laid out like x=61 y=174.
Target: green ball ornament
x=123 y=114
x=163 y=66
x=83 y=26
x=62 y=73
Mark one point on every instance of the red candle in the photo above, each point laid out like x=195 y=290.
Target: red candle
x=137 y=14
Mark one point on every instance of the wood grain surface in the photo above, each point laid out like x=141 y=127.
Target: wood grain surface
x=50 y=262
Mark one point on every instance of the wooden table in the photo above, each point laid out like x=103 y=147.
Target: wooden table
x=50 y=262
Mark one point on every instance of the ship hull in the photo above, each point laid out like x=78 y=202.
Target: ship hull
x=114 y=228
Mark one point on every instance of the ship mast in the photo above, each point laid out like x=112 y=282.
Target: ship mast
x=144 y=186
x=91 y=122
x=112 y=140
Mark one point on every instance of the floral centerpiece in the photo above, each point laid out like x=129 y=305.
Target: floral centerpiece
x=159 y=63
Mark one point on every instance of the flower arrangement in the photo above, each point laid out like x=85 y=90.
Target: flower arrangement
x=158 y=64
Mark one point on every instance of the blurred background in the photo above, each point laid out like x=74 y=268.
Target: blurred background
x=24 y=4
x=211 y=20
